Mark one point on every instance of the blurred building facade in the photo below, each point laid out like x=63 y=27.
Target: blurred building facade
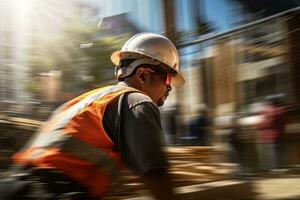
x=247 y=64
x=224 y=72
x=24 y=25
x=147 y=15
x=238 y=70
x=251 y=63
x=51 y=83
x=10 y=54
x=256 y=9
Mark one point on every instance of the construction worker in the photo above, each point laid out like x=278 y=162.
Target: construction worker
x=86 y=140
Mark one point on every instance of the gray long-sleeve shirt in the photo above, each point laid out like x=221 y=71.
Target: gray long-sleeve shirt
x=140 y=140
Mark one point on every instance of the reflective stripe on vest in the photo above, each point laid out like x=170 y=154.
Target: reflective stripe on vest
x=58 y=123
x=81 y=150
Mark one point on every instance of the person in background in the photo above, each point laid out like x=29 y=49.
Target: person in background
x=199 y=127
x=271 y=135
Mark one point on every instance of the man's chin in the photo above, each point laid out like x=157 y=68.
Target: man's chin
x=160 y=103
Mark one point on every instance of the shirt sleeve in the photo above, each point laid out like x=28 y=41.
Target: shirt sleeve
x=141 y=139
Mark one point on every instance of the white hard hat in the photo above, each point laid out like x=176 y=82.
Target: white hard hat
x=149 y=48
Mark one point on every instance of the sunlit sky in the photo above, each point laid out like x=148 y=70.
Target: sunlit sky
x=220 y=12
x=147 y=13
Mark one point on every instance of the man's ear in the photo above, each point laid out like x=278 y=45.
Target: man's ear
x=141 y=74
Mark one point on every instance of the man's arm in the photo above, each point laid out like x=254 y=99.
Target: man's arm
x=159 y=184
x=141 y=144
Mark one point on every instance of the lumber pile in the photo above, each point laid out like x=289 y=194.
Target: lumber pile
x=195 y=172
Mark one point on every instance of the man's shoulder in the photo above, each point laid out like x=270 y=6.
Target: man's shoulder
x=137 y=98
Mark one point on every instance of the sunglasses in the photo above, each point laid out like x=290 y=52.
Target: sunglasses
x=166 y=76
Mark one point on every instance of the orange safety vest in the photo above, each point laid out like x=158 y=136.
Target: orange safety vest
x=74 y=141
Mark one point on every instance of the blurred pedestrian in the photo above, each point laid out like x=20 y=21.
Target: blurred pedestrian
x=235 y=140
x=271 y=136
x=171 y=125
x=78 y=151
x=199 y=127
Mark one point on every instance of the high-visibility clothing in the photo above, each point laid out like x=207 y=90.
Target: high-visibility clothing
x=74 y=141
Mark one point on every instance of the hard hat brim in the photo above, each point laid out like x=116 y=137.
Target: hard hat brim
x=177 y=79
x=116 y=57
